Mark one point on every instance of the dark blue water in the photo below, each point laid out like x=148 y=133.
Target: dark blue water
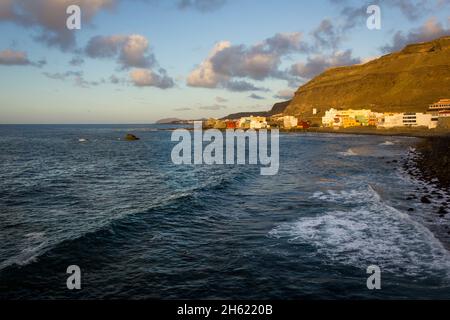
x=140 y=227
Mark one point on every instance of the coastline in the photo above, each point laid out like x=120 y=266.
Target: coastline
x=433 y=160
x=428 y=162
x=401 y=132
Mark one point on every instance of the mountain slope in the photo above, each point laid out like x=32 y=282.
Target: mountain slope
x=277 y=108
x=404 y=81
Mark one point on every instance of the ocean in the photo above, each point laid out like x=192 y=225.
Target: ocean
x=140 y=227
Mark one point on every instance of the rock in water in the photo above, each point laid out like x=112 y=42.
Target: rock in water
x=425 y=199
x=131 y=137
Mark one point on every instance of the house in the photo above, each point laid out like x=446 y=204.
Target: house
x=253 y=123
x=303 y=125
x=441 y=105
x=347 y=118
x=328 y=120
x=391 y=120
x=413 y=119
x=441 y=113
x=348 y=122
x=290 y=122
x=230 y=124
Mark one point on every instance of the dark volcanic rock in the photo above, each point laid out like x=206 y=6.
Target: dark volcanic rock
x=434 y=162
x=425 y=199
x=131 y=137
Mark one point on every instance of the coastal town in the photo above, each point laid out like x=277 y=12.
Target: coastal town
x=436 y=117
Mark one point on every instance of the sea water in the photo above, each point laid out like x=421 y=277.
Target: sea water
x=139 y=226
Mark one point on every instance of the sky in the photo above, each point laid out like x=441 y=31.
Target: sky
x=138 y=61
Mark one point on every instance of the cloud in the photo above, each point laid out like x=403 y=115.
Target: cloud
x=76 y=61
x=227 y=65
x=149 y=78
x=285 y=94
x=201 y=5
x=411 y=9
x=204 y=75
x=326 y=35
x=430 y=30
x=130 y=50
x=75 y=76
x=10 y=57
x=256 y=97
x=182 y=109
x=213 y=107
x=49 y=18
x=241 y=86
x=114 y=79
x=221 y=100
x=319 y=63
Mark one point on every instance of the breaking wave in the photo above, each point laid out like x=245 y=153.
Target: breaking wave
x=350 y=152
x=371 y=233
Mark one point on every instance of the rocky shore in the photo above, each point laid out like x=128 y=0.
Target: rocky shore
x=433 y=160
x=428 y=162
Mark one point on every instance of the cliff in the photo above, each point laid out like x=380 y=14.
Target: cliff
x=277 y=108
x=405 y=81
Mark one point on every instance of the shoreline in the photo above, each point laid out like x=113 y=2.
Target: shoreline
x=428 y=162
x=433 y=160
x=399 y=132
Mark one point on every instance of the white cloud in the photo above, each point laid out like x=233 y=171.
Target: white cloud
x=228 y=65
x=149 y=78
x=49 y=17
x=130 y=50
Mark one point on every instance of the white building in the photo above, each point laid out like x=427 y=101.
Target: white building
x=413 y=119
x=328 y=120
x=253 y=122
x=290 y=122
x=391 y=120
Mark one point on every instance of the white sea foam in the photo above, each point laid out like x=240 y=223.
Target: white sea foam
x=348 y=153
x=344 y=196
x=371 y=233
x=33 y=245
x=387 y=143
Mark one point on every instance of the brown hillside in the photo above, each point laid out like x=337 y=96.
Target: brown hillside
x=403 y=81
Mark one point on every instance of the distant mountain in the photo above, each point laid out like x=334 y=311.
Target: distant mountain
x=168 y=120
x=277 y=108
x=405 y=81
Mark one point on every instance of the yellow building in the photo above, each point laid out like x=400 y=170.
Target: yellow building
x=348 y=122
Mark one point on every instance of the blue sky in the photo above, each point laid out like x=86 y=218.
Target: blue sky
x=140 y=61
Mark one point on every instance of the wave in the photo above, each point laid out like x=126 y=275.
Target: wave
x=387 y=143
x=348 y=153
x=36 y=244
x=371 y=233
